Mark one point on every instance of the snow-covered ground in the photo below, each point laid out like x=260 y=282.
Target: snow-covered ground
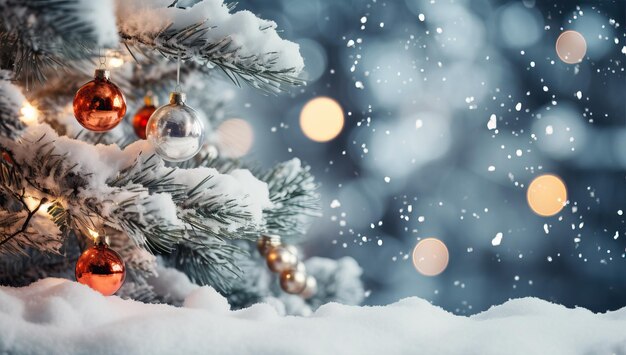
x=60 y=316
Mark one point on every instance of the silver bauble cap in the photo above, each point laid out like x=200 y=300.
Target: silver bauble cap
x=177 y=98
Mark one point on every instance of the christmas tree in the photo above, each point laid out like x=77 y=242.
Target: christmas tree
x=72 y=172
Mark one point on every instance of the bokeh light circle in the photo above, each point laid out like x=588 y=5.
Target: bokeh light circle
x=315 y=59
x=571 y=47
x=561 y=133
x=407 y=144
x=520 y=26
x=546 y=195
x=597 y=30
x=321 y=119
x=235 y=137
x=430 y=257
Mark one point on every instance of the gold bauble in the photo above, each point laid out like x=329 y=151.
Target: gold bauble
x=293 y=281
x=267 y=242
x=280 y=259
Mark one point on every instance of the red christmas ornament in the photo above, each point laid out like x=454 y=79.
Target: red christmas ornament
x=99 y=105
x=101 y=268
x=140 y=120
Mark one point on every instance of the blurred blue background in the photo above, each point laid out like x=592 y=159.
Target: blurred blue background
x=418 y=81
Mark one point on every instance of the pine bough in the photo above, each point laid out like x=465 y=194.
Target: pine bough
x=198 y=217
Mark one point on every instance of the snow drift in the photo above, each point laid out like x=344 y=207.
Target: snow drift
x=60 y=316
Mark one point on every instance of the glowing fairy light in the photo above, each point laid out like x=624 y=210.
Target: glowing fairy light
x=29 y=114
x=321 y=119
x=430 y=257
x=32 y=203
x=92 y=233
x=571 y=47
x=115 y=62
x=235 y=137
x=44 y=208
x=546 y=195
x=114 y=59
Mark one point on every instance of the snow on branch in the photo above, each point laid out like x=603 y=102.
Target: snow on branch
x=292 y=191
x=36 y=35
x=209 y=202
x=294 y=196
x=242 y=45
x=160 y=209
x=11 y=100
x=214 y=208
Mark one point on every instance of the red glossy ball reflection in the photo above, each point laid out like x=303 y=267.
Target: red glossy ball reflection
x=140 y=121
x=99 y=105
x=102 y=269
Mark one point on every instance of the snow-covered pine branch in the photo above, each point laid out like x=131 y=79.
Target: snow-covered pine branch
x=42 y=36
x=292 y=191
x=11 y=101
x=58 y=182
x=36 y=35
x=294 y=197
x=242 y=45
x=106 y=185
x=189 y=215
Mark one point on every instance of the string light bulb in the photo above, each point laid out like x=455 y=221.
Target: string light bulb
x=114 y=59
x=32 y=203
x=29 y=113
x=93 y=234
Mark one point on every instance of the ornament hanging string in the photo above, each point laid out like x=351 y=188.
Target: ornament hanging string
x=177 y=88
x=102 y=59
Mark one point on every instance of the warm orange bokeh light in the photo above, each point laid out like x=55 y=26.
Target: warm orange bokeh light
x=235 y=137
x=321 y=119
x=430 y=257
x=546 y=195
x=571 y=47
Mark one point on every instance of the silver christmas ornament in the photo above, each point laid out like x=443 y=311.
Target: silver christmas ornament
x=175 y=130
x=293 y=281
